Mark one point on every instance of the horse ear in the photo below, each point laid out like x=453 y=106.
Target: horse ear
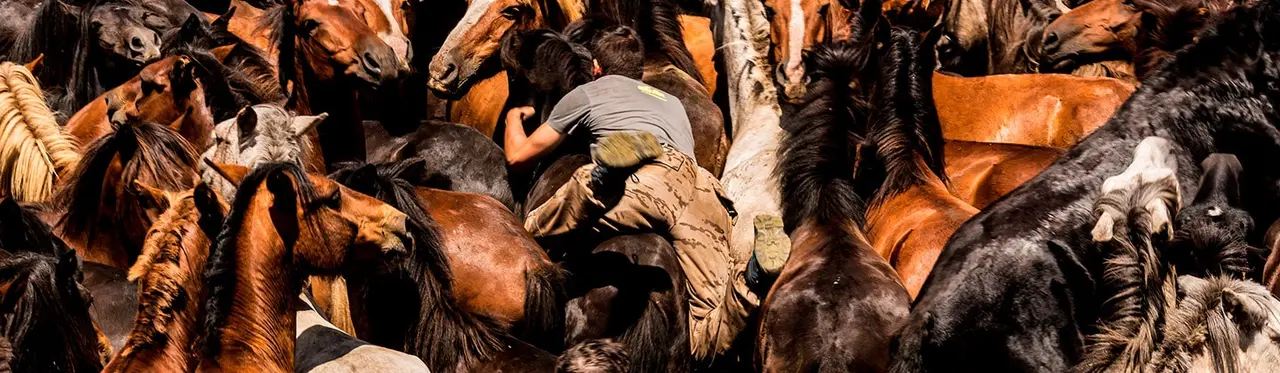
x=221 y=23
x=34 y=64
x=284 y=206
x=68 y=267
x=150 y=198
x=206 y=198
x=247 y=123
x=233 y=173
x=934 y=12
x=305 y=123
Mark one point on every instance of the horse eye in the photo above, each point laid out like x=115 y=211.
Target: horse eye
x=511 y=12
x=309 y=27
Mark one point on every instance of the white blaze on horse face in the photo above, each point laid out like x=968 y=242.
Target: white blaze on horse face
x=333 y=2
x=795 y=46
x=396 y=38
x=476 y=9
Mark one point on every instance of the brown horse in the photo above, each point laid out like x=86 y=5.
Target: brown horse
x=833 y=285
x=102 y=217
x=282 y=225
x=982 y=172
x=168 y=274
x=911 y=213
x=418 y=307
x=47 y=314
x=329 y=55
x=1139 y=33
x=1041 y=110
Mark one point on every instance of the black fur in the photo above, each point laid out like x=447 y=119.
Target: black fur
x=1211 y=232
x=47 y=314
x=656 y=21
x=997 y=297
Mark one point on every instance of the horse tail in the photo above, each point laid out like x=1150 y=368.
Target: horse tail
x=661 y=323
x=816 y=157
x=33 y=149
x=544 y=301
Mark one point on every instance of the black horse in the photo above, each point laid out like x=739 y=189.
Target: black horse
x=1002 y=298
x=46 y=314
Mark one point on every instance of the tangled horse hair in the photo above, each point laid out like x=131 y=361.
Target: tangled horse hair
x=1212 y=231
x=47 y=314
x=594 y=356
x=1221 y=325
x=33 y=150
x=548 y=62
x=656 y=22
x=148 y=152
x=1169 y=25
x=431 y=325
x=244 y=73
x=1139 y=288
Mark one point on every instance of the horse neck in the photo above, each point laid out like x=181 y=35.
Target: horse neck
x=177 y=352
x=259 y=335
x=344 y=123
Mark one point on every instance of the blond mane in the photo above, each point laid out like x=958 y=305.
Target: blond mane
x=172 y=258
x=33 y=149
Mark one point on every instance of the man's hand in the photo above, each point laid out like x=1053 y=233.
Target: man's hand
x=520 y=114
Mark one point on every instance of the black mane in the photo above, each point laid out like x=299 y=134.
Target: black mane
x=242 y=78
x=816 y=158
x=656 y=21
x=147 y=151
x=438 y=324
x=56 y=34
x=220 y=270
x=906 y=123
x=279 y=23
x=1169 y=25
x=49 y=321
x=548 y=62
x=21 y=230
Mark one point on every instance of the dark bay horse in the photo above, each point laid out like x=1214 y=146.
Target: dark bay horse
x=995 y=37
x=170 y=284
x=101 y=215
x=15 y=17
x=47 y=314
x=328 y=55
x=435 y=324
x=1000 y=265
x=308 y=223
x=836 y=303
x=457 y=157
x=90 y=48
x=911 y=211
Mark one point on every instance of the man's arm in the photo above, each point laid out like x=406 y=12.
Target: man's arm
x=523 y=150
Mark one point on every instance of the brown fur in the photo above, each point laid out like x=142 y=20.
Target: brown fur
x=981 y=173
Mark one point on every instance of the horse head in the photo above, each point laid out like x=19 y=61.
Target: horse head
x=330 y=43
x=1091 y=32
x=474 y=42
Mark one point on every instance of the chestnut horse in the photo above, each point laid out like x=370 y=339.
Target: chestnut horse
x=168 y=274
x=102 y=217
x=1041 y=110
x=311 y=225
x=833 y=285
x=1140 y=33
x=982 y=172
x=328 y=55
x=445 y=321
x=900 y=169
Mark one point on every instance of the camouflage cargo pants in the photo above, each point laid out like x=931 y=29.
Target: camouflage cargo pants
x=670 y=195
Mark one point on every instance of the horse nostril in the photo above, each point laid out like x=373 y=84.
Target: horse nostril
x=1050 y=41
x=136 y=43
x=450 y=71
x=371 y=62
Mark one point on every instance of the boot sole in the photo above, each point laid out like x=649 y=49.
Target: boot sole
x=626 y=149
x=772 y=246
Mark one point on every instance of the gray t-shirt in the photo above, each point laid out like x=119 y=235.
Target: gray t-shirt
x=616 y=103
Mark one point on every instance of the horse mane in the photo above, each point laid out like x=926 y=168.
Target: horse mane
x=905 y=131
x=656 y=21
x=35 y=151
x=1169 y=25
x=147 y=151
x=186 y=227
x=1140 y=290
x=548 y=61
x=21 y=230
x=250 y=74
x=220 y=269
x=225 y=90
x=816 y=157
x=41 y=323
x=1204 y=321
x=1205 y=245
x=55 y=34
x=441 y=324
x=279 y=23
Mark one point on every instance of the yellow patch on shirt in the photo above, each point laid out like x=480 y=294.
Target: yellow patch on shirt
x=656 y=93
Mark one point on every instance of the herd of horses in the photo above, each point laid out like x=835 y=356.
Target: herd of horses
x=317 y=185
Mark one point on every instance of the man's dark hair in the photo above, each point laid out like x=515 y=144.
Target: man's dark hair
x=619 y=51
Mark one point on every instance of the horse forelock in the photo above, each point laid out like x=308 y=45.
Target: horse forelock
x=39 y=151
